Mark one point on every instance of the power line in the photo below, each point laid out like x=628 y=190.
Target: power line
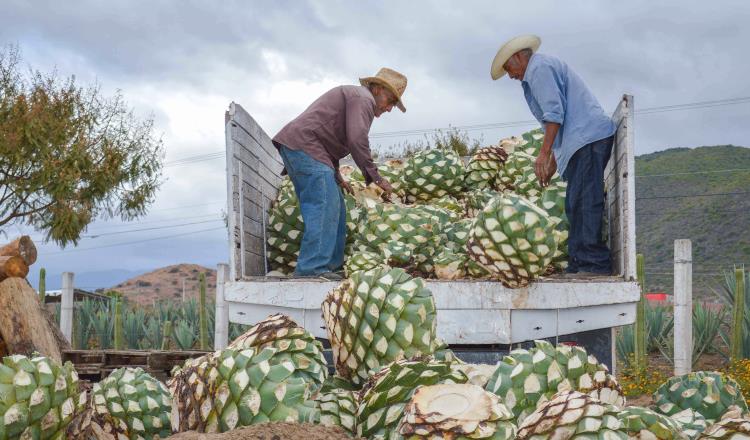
x=644 y=111
x=694 y=105
x=731 y=170
x=692 y=214
x=103 y=224
x=402 y=133
x=150 y=229
x=134 y=242
x=693 y=195
x=193 y=159
x=190 y=206
x=105 y=234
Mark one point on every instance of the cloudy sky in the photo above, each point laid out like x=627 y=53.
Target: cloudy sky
x=184 y=61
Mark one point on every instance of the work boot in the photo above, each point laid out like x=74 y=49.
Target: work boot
x=331 y=276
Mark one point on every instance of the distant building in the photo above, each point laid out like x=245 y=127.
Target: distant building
x=54 y=296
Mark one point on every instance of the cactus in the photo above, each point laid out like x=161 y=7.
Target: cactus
x=640 y=316
x=42 y=284
x=165 y=335
x=739 y=316
x=203 y=321
x=118 y=324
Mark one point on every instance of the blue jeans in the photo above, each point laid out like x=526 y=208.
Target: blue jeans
x=323 y=212
x=584 y=206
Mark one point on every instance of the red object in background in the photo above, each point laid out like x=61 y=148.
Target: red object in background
x=568 y=343
x=656 y=296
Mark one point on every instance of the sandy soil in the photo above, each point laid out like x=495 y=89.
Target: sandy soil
x=271 y=431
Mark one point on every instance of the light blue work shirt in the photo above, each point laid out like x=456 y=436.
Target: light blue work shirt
x=555 y=93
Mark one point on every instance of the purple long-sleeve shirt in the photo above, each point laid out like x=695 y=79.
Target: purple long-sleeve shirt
x=335 y=125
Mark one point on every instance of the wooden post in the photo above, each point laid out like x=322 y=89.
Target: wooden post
x=640 y=317
x=738 y=323
x=683 y=307
x=221 y=320
x=66 y=306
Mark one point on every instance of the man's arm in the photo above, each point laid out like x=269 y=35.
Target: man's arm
x=545 y=165
x=544 y=87
x=359 y=116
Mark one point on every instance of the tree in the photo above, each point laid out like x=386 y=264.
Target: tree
x=69 y=155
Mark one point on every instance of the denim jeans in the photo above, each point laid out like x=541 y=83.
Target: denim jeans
x=323 y=212
x=584 y=206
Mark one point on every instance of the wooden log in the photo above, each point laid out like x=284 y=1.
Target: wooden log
x=22 y=247
x=13 y=266
x=24 y=325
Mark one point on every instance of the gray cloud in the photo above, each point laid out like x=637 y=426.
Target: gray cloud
x=185 y=61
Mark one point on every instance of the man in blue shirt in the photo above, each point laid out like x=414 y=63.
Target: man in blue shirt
x=577 y=144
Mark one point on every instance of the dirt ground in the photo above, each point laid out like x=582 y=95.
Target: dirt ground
x=271 y=431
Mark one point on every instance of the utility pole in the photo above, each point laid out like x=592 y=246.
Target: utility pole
x=183 y=289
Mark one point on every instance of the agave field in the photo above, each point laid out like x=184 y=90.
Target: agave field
x=142 y=328
x=394 y=379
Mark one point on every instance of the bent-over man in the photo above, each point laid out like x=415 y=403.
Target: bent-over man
x=577 y=143
x=334 y=126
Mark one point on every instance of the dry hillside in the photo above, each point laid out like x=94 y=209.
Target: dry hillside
x=167 y=283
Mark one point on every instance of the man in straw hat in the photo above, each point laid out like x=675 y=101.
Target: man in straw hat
x=580 y=135
x=335 y=125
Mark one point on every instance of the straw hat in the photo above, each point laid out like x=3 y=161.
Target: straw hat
x=391 y=80
x=508 y=49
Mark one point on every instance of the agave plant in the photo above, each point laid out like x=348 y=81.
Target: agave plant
x=82 y=323
x=658 y=327
x=133 y=325
x=235 y=330
x=102 y=322
x=185 y=334
x=153 y=329
x=707 y=328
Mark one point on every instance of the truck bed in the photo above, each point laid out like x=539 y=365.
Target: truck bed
x=470 y=312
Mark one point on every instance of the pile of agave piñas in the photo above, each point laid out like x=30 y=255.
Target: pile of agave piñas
x=394 y=379
x=486 y=218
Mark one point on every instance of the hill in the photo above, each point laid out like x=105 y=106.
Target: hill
x=688 y=193
x=167 y=283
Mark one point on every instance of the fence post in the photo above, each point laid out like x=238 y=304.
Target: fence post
x=640 y=317
x=66 y=306
x=738 y=323
x=221 y=320
x=683 y=307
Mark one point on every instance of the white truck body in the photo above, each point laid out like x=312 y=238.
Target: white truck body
x=470 y=312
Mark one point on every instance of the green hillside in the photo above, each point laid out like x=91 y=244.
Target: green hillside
x=719 y=226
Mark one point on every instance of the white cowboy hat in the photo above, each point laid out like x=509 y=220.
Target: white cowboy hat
x=509 y=48
x=390 y=79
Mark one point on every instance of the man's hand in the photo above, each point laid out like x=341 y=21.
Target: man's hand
x=346 y=186
x=385 y=185
x=544 y=168
x=545 y=165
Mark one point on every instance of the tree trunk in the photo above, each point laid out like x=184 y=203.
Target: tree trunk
x=13 y=267
x=24 y=325
x=20 y=247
